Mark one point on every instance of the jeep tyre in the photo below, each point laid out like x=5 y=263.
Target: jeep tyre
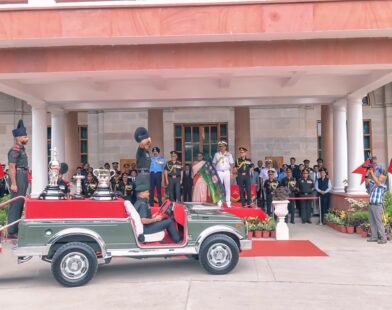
x=74 y=264
x=219 y=254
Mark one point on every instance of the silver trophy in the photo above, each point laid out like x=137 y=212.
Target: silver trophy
x=53 y=191
x=103 y=191
x=78 y=180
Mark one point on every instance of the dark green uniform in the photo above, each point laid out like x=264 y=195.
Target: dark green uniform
x=17 y=155
x=306 y=189
x=243 y=180
x=143 y=160
x=173 y=169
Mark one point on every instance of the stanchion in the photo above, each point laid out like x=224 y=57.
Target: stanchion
x=321 y=222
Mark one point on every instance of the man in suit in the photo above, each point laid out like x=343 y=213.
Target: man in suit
x=187 y=183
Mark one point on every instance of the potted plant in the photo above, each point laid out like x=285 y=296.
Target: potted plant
x=280 y=202
x=271 y=226
x=349 y=224
x=252 y=225
x=264 y=226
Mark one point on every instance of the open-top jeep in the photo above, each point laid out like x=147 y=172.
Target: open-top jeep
x=75 y=236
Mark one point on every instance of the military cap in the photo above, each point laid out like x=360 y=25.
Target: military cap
x=306 y=161
x=115 y=163
x=156 y=149
x=20 y=130
x=141 y=133
x=142 y=184
x=222 y=143
x=242 y=149
x=268 y=161
x=173 y=153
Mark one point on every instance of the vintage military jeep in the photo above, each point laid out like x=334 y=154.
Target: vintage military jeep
x=75 y=236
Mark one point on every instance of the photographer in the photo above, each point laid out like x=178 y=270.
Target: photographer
x=376 y=188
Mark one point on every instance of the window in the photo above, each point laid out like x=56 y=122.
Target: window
x=319 y=141
x=83 y=142
x=367 y=138
x=189 y=139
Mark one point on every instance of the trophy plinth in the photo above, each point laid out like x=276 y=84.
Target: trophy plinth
x=53 y=191
x=103 y=191
x=78 y=180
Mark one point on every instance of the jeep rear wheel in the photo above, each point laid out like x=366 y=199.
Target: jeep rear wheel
x=219 y=254
x=74 y=264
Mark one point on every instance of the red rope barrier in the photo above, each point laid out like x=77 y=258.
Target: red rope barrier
x=2 y=205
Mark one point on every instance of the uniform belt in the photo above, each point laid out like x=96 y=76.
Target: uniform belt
x=22 y=168
x=156 y=172
x=177 y=176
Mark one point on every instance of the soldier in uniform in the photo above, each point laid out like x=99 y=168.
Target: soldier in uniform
x=172 y=174
x=223 y=162
x=270 y=185
x=143 y=160
x=115 y=167
x=243 y=166
x=18 y=171
x=306 y=186
x=291 y=183
x=151 y=224
x=156 y=167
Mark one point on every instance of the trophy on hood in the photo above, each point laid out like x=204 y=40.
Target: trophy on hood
x=53 y=191
x=103 y=191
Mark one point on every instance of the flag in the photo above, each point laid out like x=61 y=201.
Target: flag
x=390 y=166
x=2 y=174
x=362 y=170
x=210 y=176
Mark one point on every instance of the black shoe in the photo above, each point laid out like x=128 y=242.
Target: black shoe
x=372 y=240
x=309 y=222
x=382 y=241
x=292 y=222
x=303 y=222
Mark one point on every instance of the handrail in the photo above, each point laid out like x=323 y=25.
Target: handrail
x=2 y=205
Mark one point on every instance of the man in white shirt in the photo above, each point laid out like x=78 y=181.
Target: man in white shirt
x=223 y=162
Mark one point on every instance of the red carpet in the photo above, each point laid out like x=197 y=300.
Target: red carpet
x=283 y=248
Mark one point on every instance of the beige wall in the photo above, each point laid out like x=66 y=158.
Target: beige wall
x=290 y=131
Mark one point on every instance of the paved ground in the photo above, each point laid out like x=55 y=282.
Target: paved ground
x=355 y=275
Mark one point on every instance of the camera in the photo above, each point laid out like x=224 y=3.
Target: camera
x=369 y=165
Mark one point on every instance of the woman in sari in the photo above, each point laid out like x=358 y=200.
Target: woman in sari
x=200 y=192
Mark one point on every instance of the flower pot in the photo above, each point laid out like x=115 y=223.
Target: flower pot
x=265 y=234
x=257 y=233
x=250 y=235
x=342 y=228
x=364 y=234
x=273 y=234
x=359 y=230
x=350 y=229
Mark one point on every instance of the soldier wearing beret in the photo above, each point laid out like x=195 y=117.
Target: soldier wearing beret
x=18 y=171
x=172 y=174
x=151 y=223
x=143 y=159
x=156 y=168
x=243 y=164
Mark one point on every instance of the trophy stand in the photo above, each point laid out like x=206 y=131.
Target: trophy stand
x=78 y=180
x=53 y=191
x=103 y=191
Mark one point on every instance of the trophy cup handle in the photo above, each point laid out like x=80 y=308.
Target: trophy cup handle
x=96 y=172
x=112 y=173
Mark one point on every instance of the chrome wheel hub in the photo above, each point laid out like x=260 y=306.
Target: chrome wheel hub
x=74 y=265
x=219 y=255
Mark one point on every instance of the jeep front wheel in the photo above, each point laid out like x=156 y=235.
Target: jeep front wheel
x=219 y=254
x=74 y=264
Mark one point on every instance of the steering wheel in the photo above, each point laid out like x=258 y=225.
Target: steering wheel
x=166 y=210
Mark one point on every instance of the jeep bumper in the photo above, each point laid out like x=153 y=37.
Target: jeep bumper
x=245 y=244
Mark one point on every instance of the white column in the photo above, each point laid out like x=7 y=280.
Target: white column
x=39 y=150
x=58 y=133
x=339 y=145
x=355 y=144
